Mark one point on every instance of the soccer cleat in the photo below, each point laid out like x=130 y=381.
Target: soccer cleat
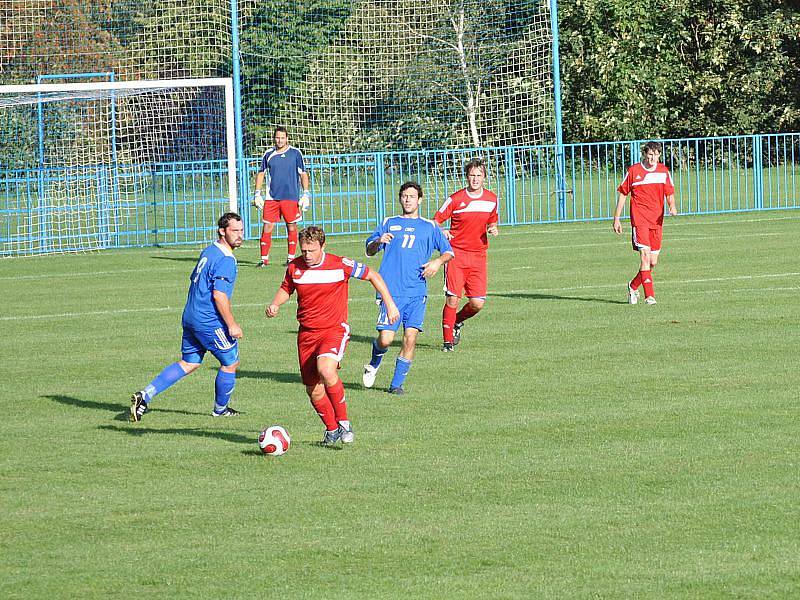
x=649 y=300
x=346 y=433
x=262 y=265
x=331 y=437
x=399 y=391
x=447 y=347
x=138 y=406
x=228 y=412
x=288 y=261
x=457 y=332
x=633 y=295
x=368 y=378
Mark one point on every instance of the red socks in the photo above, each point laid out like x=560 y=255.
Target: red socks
x=324 y=409
x=337 y=400
x=647 y=282
x=266 y=244
x=636 y=281
x=448 y=320
x=292 y=235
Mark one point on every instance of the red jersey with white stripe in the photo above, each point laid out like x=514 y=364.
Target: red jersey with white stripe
x=648 y=188
x=322 y=289
x=469 y=215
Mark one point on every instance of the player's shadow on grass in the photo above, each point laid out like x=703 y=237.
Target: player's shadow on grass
x=525 y=296
x=273 y=375
x=122 y=410
x=135 y=430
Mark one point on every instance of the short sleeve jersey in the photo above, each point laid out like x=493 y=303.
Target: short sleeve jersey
x=415 y=239
x=284 y=169
x=322 y=289
x=215 y=270
x=648 y=188
x=469 y=215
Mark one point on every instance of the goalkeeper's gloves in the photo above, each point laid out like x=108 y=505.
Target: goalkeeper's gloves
x=304 y=202
x=258 y=200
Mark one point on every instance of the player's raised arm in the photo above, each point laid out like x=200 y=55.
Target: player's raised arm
x=392 y=314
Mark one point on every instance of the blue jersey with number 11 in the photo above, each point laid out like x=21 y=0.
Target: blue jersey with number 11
x=413 y=243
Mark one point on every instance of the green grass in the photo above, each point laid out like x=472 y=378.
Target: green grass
x=572 y=447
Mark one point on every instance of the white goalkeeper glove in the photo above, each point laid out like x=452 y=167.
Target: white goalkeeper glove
x=304 y=202
x=258 y=200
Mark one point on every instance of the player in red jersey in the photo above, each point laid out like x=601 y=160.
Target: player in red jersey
x=648 y=183
x=472 y=213
x=321 y=282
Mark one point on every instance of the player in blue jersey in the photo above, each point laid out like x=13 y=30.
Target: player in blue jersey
x=208 y=323
x=407 y=241
x=283 y=199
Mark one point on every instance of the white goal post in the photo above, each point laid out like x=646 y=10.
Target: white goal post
x=86 y=160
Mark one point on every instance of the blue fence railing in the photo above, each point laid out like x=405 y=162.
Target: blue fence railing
x=178 y=203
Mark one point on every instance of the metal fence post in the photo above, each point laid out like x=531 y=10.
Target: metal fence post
x=511 y=187
x=380 y=186
x=758 y=174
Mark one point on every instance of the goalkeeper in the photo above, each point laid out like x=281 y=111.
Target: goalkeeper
x=282 y=200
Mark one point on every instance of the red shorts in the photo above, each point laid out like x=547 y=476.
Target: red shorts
x=276 y=211
x=313 y=343
x=466 y=272
x=646 y=237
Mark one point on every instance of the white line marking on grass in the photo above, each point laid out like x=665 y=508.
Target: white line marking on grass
x=616 y=242
x=660 y=282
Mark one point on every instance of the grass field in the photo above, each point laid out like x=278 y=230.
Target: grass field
x=572 y=447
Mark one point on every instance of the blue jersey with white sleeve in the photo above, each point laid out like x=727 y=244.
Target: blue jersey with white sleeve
x=414 y=241
x=284 y=169
x=215 y=270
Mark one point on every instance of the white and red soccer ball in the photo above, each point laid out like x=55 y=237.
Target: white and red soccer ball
x=274 y=440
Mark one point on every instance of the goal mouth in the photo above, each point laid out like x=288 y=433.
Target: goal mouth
x=87 y=157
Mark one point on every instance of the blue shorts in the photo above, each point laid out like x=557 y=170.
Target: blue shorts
x=196 y=342
x=412 y=314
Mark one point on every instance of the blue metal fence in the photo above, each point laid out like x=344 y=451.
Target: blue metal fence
x=178 y=203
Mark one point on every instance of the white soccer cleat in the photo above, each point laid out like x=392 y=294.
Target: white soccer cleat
x=633 y=296
x=368 y=378
x=649 y=300
x=346 y=432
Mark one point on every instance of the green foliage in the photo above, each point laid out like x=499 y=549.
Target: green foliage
x=675 y=68
x=278 y=43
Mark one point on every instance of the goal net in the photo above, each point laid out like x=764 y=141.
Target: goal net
x=80 y=160
x=358 y=75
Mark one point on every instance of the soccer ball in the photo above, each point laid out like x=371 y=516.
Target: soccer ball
x=274 y=440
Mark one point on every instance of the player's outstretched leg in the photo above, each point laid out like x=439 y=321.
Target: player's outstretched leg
x=138 y=406
x=170 y=375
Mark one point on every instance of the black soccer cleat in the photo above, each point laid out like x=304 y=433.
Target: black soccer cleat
x=228 y=412
x=457 y=333
x=398 y=391
x=447 y=347
x=138 y=406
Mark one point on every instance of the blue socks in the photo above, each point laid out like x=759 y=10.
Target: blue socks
x=401 y=368
x=377 y=354
x=223 y=388
x=163 y=380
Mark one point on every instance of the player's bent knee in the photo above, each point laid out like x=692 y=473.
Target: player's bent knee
x=230 y=368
